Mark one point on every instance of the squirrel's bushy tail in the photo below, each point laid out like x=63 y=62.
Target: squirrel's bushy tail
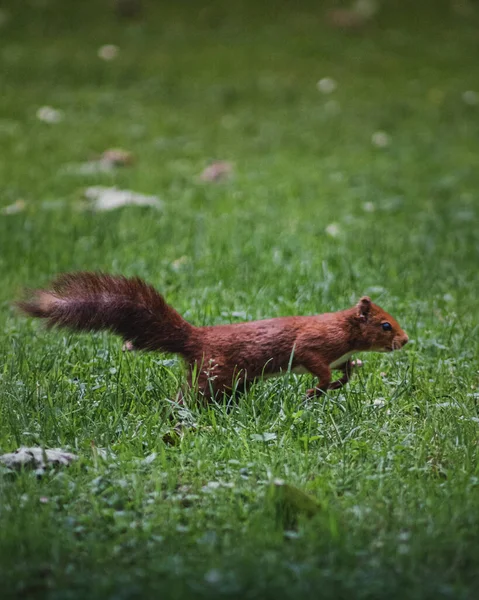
x=128 y=307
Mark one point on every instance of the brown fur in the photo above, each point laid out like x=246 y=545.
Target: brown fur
x=224 y=355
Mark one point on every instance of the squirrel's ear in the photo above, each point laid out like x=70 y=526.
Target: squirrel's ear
x=363 y=307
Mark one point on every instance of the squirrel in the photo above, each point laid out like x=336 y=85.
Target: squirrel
x=220 y=358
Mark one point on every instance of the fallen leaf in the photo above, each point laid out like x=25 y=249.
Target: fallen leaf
x=37 y=458
x=217 y=171
x=108 y=198
x=108 y=52
x=117 y=157
x=327 y=85
x=380 y=139
x=353 y=18
x=263 y=437
x=47 y=114
x=13 y=209
x=106 y=163
x=333 y=230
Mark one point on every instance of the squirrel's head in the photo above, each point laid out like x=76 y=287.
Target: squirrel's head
x=380 y=331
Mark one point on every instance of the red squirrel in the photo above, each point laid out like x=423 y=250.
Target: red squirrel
x=220 y=358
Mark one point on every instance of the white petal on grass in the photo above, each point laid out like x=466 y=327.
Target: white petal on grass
x=333 y=230
x=369 y=207
x=380 y=139
x=108 y=52
x=470 y=97
x=327 y=85
x=108 y=198
x=48 y=114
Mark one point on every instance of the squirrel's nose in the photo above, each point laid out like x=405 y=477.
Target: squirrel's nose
x=405 y=340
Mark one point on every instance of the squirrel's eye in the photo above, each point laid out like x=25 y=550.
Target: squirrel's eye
x=386 y=326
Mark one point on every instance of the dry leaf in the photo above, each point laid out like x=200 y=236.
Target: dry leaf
x=108 y=52
x=217 y=171
x=13 y=209
x=37 y=458
x=109 y=198
x=117 y=157
x=47 y=114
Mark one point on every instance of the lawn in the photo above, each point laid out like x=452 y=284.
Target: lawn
x=371 y=188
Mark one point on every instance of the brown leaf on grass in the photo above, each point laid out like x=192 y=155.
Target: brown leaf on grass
x=117 y=157
x=217 y=171
x=37 y=458
x=354 y=18
x=107 y=162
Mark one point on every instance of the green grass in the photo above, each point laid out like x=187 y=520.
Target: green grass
x=392 y=459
